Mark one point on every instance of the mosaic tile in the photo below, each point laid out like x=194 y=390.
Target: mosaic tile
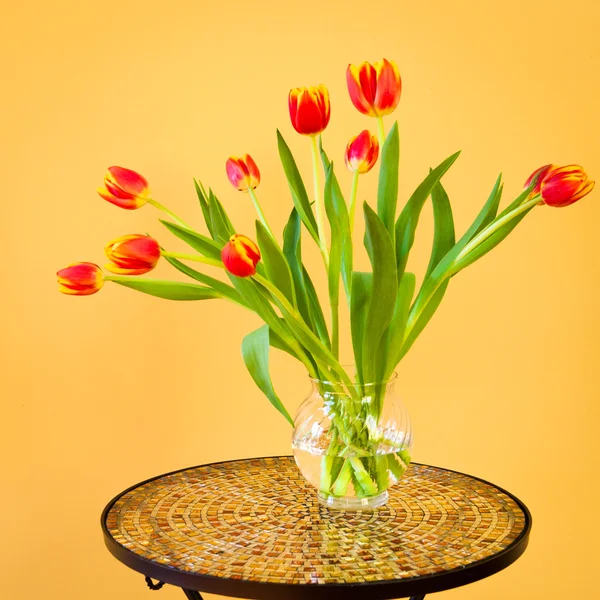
x=259 y=520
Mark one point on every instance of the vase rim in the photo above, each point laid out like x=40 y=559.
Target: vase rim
x=392 y=378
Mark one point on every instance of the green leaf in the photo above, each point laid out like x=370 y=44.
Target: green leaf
x=223 y=288
x=443 y=227
x=169 y=290
x=337 y=214
x=488 y=244
x=384 y=292
x=204 y=205
x=299 y=195
x=362 y=284
x=424 y=318
x=292 y=250
x=221 y=226
x=486 y=215
x=335 y=253
x=276 y=267
x=197 y=241
x=434 y=287
x=408 y=220
x=398 y=323
x=315 y=310
x=443 y=242
x=387 y=189
x=255 y=351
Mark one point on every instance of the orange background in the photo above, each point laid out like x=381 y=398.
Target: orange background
x=102 y=392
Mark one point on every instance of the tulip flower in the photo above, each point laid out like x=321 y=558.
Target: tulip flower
x=240 y=256
x=362 y=152
x=132 y=254
x=374 y=89
x=309 y=109
x=563 y=186
x=537 y=177
x=242 y=172
x=125 y=188
x=244 y=175
x=80 y=279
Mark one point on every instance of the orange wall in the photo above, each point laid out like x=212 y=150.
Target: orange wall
x=101 y=392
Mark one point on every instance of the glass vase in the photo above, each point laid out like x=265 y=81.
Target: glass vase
x=352 y=443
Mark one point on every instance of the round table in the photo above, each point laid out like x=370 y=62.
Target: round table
x=253 y=528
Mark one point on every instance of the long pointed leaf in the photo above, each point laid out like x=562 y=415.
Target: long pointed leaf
x=169 y=290
x=362 y=285
x=197 y=241
x=339 y=220
x=384 y=291
x=221 y=227
x=292 y=250
x=443 y=223
x=398 y=323
x=276 y=267
x=408 y=220
x=424 y=318
x=204 y=206
x=220 y=286
x=255 y=351
x=488 y=244
x=486 y=215
x=299 y=195
x=387 y=189
x=315 y=310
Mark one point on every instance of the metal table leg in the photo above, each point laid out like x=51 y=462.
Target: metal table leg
x=192 y=595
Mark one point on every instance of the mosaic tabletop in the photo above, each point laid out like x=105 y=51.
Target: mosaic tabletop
x=258 y=520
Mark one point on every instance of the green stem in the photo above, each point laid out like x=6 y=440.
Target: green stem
x=195 y=257
x=353 y=193
x=261 y=215
x=494 y=226
x=380 y=132
x=319 y=200
x=160 y=206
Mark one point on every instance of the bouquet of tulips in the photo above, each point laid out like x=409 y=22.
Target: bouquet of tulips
x=266 y=274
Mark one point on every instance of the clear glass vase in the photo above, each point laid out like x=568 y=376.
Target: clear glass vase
x=352 y=443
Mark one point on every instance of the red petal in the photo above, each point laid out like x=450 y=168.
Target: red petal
x=389 y=87
x=356 y=92
x=129 y=181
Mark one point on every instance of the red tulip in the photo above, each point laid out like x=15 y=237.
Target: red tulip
x=125 y=188
x=562 y=186
x=362 y=152
x=242 y=172
x=240 y=256
x=80 y=279
x=537 y=176
x=132 y=254
x=374 y=89
x=309 y=109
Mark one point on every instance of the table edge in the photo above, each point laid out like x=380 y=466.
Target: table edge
x=377 y=590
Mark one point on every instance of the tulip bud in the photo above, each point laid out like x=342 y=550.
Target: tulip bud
x=80 y=279
x=242 y=172
x=240 y=256
x=132 y=254
x=309 y=109
x=562 y=186
x=362 y=152
x=537 y=177
x=125 y=188
x=374 y=89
